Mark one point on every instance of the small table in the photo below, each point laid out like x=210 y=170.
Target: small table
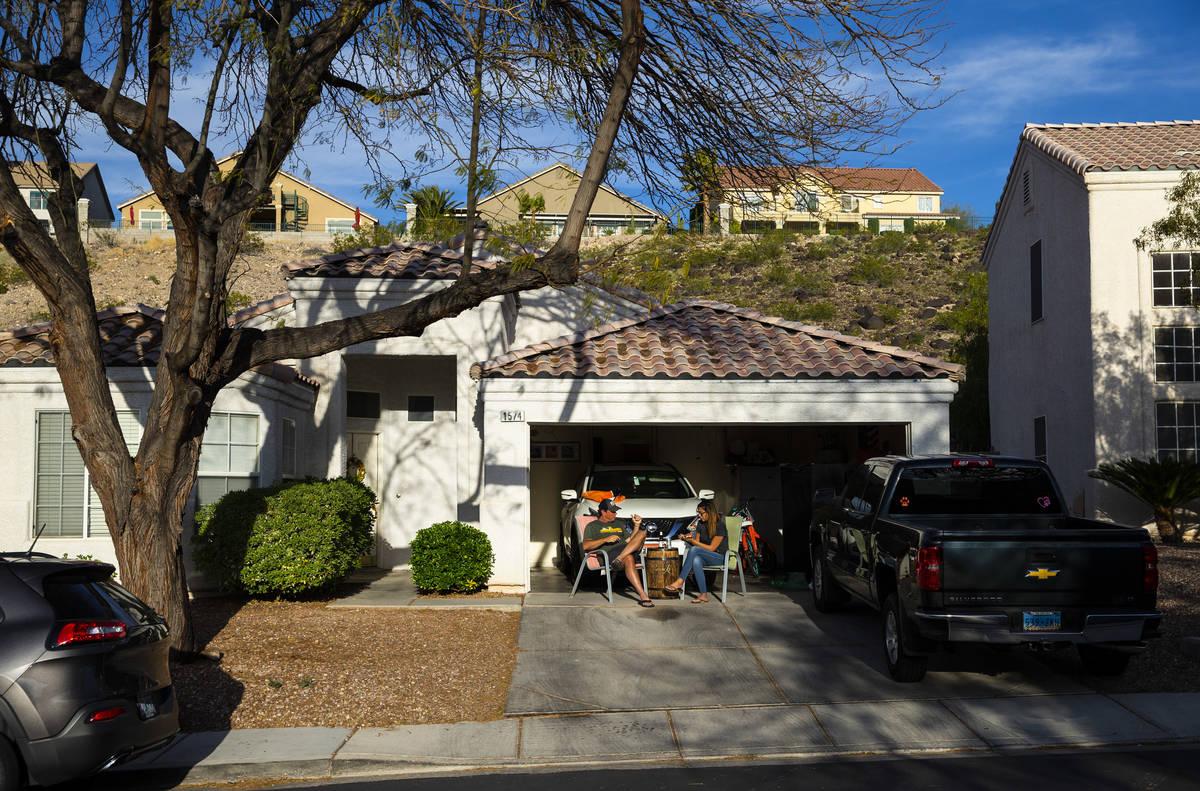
x=662 y=568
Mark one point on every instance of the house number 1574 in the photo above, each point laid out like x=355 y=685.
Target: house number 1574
x=512 y=416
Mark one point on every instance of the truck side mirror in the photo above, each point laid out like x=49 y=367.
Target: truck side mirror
x=824 y=496
x=568 y=495
x=706 y=494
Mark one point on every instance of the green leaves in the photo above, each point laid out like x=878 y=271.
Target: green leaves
x=1181 y=226
x=451 y=557
x=1163 y=484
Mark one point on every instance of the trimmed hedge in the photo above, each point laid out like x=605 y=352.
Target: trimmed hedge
x=451 y=557
x=285 y=540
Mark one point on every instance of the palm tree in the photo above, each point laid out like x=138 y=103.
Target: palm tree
x=434 y=206
x=1162 y=484
x=530 y=204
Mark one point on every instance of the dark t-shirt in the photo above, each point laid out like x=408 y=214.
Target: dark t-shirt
x=618 y=527
x=721 y=531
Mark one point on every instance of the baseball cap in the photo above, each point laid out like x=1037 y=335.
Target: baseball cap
x=608 y=505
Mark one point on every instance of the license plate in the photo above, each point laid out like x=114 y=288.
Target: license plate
x=1041 y=621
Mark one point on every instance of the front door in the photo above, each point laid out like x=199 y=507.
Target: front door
x=364 y=449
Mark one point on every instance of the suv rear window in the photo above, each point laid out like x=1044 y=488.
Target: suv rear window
x=75 y=597
x=960 y=491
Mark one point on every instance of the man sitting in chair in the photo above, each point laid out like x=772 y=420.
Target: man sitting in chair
x=607 y=533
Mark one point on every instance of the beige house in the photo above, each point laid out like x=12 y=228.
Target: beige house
x=825 y=200
x=611 y=212
x=36 y=185
x=293 y=205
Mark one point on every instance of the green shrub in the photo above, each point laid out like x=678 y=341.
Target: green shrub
x=888 y=243
x=779 y=274
x=285 y=540
x=928 y=227
x=889 y=313
x=253 y=243
x=451 y=557
x=371 y=236
x=873 y=270
x=818 y=311
x=734 y=225
x=816 y=252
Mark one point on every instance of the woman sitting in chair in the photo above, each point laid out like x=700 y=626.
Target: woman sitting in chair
x=707 y=548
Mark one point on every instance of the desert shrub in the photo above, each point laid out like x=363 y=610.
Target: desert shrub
x=818 y=312
x=789 y=310
x=813 y=282
x=779 y=273
x=451 y=557
x=888 y=243
x=734 y=225
x=889 y=313
x=253 y=243
x=816 y=252
x=370 y=236
x=873 y=270
x=236 y=300
x=928 y=227
x=285 y=540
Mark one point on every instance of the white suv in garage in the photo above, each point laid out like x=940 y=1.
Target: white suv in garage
x=657 y=492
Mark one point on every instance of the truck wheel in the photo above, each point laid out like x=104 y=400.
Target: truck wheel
x=10 y=767
x=902 y=665
x=826 y=594
x=1103 y=661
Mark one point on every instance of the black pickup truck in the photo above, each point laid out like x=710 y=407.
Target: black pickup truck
x=981 y=550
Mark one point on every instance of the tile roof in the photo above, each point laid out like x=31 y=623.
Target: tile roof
x=844 y=179
x=35 y=174
x=409 y=260
x=129 y=337
x=705 y=339
x=1158 y=145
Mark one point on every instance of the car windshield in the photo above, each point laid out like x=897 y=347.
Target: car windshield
x=957 y=491
x=664 y=484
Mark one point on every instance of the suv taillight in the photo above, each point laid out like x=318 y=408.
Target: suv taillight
x=929 y=569
x=88 y=632
x=1149 y=568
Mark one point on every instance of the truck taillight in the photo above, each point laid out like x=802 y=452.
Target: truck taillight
x=1149 y=568
x=929 y=569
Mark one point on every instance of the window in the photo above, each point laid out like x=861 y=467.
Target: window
x=339 y=226
x=894 y=224
x=876 y=202
x=1035 y=281
x=154 y=220
x=360 y=403
x=925 y=204
x=228 y=456
x=420 y=408
x=1174 y=285
x=848 y=203
x=287 y=440
x=807 y=201
x=1039 y=437
x=64 y=501
x=1176 y=429
x=39 y=200
x=1177 y=354
x=753 y=202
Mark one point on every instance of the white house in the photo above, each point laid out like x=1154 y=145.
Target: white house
x=1094 y=343
x=487 y=416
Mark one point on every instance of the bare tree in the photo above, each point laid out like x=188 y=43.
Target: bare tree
x=784 y=81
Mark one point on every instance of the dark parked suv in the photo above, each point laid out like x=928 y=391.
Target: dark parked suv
x=84 y=675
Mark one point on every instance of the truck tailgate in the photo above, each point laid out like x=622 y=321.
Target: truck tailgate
x=1057 y=567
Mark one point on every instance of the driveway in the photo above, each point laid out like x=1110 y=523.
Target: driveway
x=769 y=647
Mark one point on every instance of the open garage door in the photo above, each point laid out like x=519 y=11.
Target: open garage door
x=779 y=465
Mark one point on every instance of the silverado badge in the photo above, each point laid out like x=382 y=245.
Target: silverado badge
x=1041 y=573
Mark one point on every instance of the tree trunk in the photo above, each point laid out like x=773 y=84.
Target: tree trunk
x=1164 y=520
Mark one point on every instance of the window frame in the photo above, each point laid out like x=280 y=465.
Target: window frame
x=1180 y=448
x=288 y=467
x=89 y=503
x=228 y=474
x=144 y=216
x=1037 y=306
x=847 y=200
x=1168 y=352
x=340 y=227
x=1180 y=295
x=1040 y=438
x=43 y=196
x=925 y=203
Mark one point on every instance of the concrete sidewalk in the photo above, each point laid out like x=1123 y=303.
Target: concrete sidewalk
x=763 y=675
x=677 y=736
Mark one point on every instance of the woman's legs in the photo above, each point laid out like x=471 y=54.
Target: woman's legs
x=697 y=558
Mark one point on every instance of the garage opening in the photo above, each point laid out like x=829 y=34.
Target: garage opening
x=778 y=465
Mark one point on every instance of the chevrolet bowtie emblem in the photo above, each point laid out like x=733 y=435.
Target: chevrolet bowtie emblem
x=1041 y=574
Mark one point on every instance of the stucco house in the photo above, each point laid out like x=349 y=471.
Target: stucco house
x=824 y=199
x=611 y=212
x=35 y=184
x=293 y=205
x=486 y=417
x=1093 y=342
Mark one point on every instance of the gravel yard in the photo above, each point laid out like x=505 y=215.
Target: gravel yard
x=292 y=664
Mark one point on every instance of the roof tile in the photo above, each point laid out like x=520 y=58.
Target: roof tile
x=1158 y=145
x=705 y=339
x=844 y=179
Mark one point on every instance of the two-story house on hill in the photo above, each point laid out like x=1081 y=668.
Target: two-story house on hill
x=1095 y=344
x=292 y=205
x=36 y=185
x=824 y=200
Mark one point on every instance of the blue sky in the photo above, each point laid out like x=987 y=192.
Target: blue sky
x=1007 y=64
